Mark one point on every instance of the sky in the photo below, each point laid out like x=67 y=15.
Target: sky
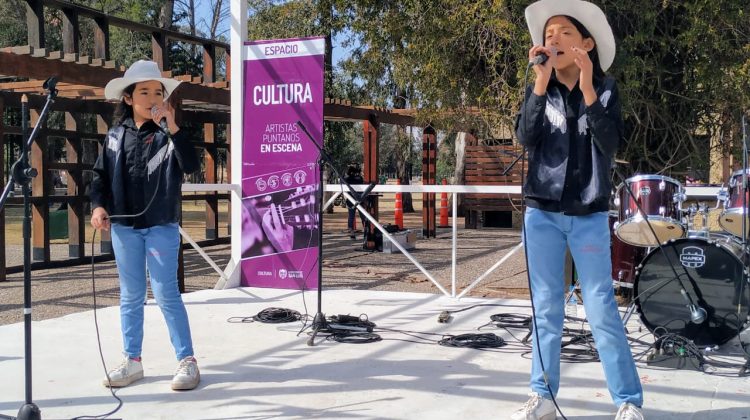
x=203 y=15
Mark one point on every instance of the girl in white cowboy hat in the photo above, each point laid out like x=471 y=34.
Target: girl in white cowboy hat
x=137 y=187
x=571 y=124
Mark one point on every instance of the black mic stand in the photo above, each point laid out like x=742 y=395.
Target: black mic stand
x=22 y=174
x=512 y=164
x=319 y=321
x=745 y=248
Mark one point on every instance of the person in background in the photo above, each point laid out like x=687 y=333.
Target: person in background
x=353 y=177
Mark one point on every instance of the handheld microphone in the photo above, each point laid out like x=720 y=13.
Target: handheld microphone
x=541 y=58
x=697 y=314
x=162 y=122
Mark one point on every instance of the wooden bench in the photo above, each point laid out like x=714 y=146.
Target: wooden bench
x=484 y=165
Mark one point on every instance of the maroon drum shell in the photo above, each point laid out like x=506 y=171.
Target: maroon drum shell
x=651 y=202
x=734 y=201
x=625 y=257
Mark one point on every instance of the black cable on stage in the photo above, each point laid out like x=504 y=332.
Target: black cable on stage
x=270 y=316
x=99 y=343
x=473 y=341
x=505 y=320
x=351 y=337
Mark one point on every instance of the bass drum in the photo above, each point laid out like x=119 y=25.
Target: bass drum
x=711 y=271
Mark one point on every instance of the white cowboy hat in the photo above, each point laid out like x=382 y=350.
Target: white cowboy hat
x=590 y=15
x=140 y=71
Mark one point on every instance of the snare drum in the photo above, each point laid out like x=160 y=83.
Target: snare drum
x=660 y=198
x=731 y=217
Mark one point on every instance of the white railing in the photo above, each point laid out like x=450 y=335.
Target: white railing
x=698 y=193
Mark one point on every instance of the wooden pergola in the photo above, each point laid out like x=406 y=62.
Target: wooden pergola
x=204 y=99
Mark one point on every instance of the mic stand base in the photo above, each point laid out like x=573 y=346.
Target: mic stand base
x=745 y=369
x=319 y=324
x=29 y=412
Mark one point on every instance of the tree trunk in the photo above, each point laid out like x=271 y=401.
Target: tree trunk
x=459 y=172
x=215 y=18
x=403 y=164
x=165 y=16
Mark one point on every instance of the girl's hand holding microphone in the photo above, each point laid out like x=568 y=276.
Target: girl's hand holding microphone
x=100 y=219
x=543 y=71
x=164 y=112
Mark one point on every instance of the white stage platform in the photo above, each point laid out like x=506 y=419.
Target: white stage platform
x=265 y=371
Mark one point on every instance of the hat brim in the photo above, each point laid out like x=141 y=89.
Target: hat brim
x=115 y=87
x=589 y=14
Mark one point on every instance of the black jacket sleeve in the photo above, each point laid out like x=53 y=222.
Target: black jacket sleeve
x=606 y=123
x=530 y=120
x=100 y=186
x=185 y=152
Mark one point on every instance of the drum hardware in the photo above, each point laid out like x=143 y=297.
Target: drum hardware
x=639 y=204
x=696 y=311
x=700 y=209
x=716 y=272
x=721 y=197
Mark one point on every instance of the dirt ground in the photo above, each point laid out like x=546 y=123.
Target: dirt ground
x=345 y=265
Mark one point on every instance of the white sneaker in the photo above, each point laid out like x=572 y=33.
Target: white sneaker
x=125 y=374
x=536 y=408
x=187 y=375
x=629 y=411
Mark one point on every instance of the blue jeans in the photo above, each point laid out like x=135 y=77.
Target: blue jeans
x=588 y=238
x=156 y=248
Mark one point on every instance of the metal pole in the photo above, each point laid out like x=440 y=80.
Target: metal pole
x=453 y=253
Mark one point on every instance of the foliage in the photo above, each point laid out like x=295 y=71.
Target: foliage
x=307 y=18
x=684 y=71
x=683 y=68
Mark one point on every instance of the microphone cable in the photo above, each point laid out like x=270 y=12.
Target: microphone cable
x=93 y=281
x=535 y=330
x=625 y=185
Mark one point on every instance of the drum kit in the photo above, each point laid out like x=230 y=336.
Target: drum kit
x=708 y=302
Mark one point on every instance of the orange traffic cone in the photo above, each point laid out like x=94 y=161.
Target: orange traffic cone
x=399 y=209
x=444 y=207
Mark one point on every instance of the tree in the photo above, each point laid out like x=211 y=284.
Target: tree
x=683 y=68
x=684 y=73
x=307 y=18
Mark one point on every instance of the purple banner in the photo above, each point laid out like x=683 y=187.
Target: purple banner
x=283 y=85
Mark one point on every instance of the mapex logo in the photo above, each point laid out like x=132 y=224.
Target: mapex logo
x=692 y=257
x=291 y=274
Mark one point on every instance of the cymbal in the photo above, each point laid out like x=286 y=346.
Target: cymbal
x=622 y=161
